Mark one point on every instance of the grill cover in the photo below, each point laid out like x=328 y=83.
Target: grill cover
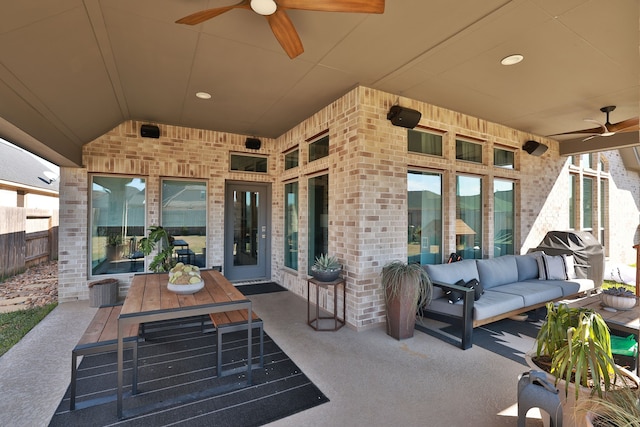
x=586 y=250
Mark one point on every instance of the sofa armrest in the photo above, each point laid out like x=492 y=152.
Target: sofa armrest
x=467 y=311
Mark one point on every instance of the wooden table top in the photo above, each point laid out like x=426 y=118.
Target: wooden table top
x=628 y=318
x=148 y=293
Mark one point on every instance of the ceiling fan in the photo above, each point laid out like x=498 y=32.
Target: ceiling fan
x=281 y=25
x=606 y=129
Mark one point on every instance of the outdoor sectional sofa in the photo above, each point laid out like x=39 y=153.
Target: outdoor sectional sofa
x=508 y=285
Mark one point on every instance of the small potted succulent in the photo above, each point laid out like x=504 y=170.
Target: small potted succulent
x=619 y=298
x=326 y=268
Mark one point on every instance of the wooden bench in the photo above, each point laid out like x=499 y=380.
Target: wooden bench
x=232 y=321
x=102 y=335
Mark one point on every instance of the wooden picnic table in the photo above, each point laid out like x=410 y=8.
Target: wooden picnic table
x=149 y=300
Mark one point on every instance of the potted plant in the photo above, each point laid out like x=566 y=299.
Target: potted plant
x=574 y=345
x=163 y=261
x=326 y=268
x=405 y=286
x=114 y=244
x=618 y=298
x=620 y=409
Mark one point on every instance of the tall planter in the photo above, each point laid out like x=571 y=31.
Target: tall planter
x=401 y=310
x=405 y=286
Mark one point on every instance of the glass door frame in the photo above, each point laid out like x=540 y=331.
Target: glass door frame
x=262 y=269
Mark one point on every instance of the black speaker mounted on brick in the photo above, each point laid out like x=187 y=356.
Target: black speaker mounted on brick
x=534 y=148
x=404 y=117
x=149 y=131
x=252 y=143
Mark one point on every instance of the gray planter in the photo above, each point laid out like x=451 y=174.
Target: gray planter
x=325 y=275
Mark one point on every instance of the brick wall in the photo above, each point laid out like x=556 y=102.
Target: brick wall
x=367 y=167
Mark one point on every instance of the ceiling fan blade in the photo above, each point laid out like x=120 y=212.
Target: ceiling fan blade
x=628 y=125
x=354 y=6
x=597 y=130
x=285 y=33
x=204 y=15
x=590 y=137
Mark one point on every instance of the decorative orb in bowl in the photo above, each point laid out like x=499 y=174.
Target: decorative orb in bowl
x=618 y=302
x=190 y=288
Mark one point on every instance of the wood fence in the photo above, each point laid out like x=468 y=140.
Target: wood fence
x=27 y=237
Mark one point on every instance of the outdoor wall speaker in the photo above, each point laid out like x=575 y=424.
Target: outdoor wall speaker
x=404 y=117
x=149 y=131
x=534 y=148
x=252 y=143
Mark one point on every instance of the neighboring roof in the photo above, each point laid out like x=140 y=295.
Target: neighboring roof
x=24 y=169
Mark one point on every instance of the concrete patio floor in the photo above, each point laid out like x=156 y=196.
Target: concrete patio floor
x=370 y=378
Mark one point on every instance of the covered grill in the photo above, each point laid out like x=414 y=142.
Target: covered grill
x=586 y=250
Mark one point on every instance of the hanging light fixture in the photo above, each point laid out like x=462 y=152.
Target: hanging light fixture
x=264 y=7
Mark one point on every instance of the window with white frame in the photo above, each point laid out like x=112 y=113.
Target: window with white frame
x=184 y=216
x=117 y=223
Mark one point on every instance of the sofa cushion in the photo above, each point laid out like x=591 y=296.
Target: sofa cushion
x=527 y=267
x=451 y=273
x=491 y=304
x=497 y=271
x=533 y=292
x=552 y=267
x=569 y=287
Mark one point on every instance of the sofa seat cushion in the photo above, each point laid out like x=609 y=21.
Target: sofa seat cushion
x=497 y=271
x=569 y=287
x=491 y=304
x=532 y=292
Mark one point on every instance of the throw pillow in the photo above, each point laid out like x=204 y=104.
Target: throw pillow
x=570 y=262
x=455 y=296
x=477 y=287
x=552 y=267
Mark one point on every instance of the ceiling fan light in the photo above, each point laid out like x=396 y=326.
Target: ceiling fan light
x=264 y=7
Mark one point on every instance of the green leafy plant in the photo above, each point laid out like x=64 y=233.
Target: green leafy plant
x=619 y=409
x=114 y=239
x=575 y=345
x=163 y=261
x=394 y=275
x=324 y=262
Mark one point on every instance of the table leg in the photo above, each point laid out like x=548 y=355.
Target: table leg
x=120 y=367
x=249 y=344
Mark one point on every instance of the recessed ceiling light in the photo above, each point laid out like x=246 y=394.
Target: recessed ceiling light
x=203 y=95
x=512 y=59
